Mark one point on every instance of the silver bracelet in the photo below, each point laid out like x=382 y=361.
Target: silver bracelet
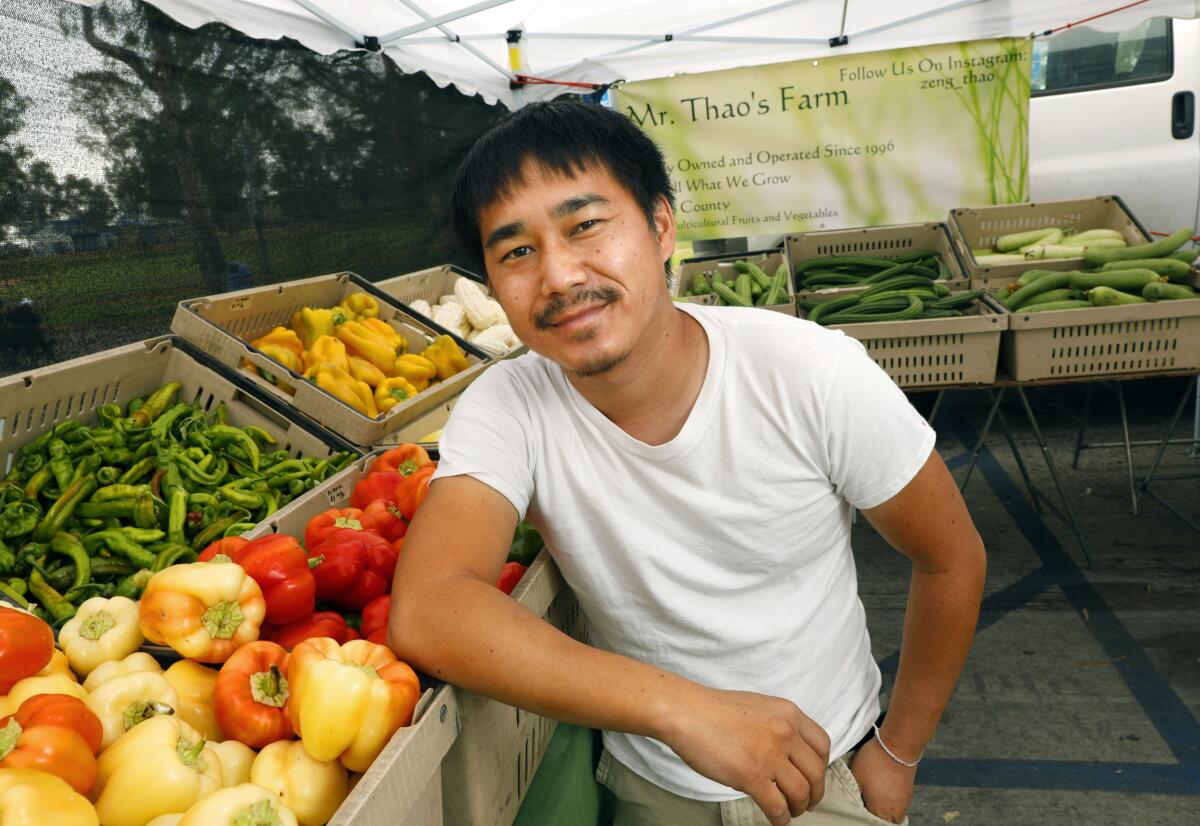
x=888 y=752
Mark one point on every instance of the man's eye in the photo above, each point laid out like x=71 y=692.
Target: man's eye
x=517 y=252
x=586 y=225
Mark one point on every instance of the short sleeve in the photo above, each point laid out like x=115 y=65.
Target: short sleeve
x=488 y=438
x=876 y=439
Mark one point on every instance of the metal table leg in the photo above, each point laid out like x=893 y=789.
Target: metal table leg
x=983 y=434
x=1087 y=410
x=1133 y=495
x=1162 y=447
x=937 y=405
x=1037 y=432
x=1034 y=494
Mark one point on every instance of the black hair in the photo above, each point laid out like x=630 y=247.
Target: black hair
x=562 y=136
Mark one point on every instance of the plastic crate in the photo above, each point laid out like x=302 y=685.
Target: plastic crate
x=32 y=403
x=487 y=770
x=1098 y=341
x=404 y=784
x=875 y=242
x=980 y=227
x=767 y=260
x=223 y=325
x=430 y=285
x=935 y=352
x=418 y=429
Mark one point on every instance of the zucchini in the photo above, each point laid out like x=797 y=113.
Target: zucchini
x=996 y=260
x=1187 y=256
x=1173 y=269
x=1053 y=238
x=1157 y=249
x=1045 y=284
x=1051 y=306
x=1095 y=235
x=1032 y=275
x=1108 y=297
x=1132 y=280
x=1065 y=294
x=1158 y=291
x=1016 y=240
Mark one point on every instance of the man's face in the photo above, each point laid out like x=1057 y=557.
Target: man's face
x=576 y=266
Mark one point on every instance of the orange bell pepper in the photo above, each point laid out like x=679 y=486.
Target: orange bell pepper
x=251 y=693
x=348 y=700
x=404 y=459
x=204 y=610
x=56 y=734
x=26 y=644
x=412 y=491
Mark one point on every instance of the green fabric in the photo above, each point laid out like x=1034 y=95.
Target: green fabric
x=564 y=792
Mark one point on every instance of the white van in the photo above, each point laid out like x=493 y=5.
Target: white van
x=1116 y=113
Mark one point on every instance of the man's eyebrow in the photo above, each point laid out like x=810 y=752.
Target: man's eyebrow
x=577 y=203
x=504 y=233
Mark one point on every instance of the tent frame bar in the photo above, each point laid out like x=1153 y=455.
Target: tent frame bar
x=415 y=9
x=331 y=19
x=431 y=22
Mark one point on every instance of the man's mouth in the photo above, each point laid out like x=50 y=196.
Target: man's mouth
x=578 y=317
x=587 y=303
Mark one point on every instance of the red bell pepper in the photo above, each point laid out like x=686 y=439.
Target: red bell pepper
x=375 y=616
x=321 y=525
x=385 y=519
x=374 y=486
x=413 y=490
x=402 y=459
x=229 y=546
x=54 y=733
x=317 y=624
x=510 y=575
x=354 y=568
x=248 y=699
x=26 y=644
x=281 y=569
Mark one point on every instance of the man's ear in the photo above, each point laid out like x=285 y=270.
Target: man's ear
x=664 y=228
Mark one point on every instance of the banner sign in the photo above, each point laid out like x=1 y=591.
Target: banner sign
x=866 y=139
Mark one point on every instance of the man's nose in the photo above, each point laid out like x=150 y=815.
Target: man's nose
x=562 y=267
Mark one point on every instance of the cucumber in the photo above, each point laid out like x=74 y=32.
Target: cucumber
x=1108 y=297
x=1158 y=291
x=852 y=316
x=955 y=302
x=1065 y=294
x=1132 y=280
x=1069 y=251
x=833 y=279
x=1054 y=281
x=860 y=260
x=920 y=293
x=884 y=275
x=755 y=272
x=1051 y=306
x=1033 y=275
x=1053 y=238
x=900 y=282
x=1095 y=235
x=1173 y=269
x=731 y=296
x=1157 y=249
x=1016 y=240
x=936 y=312
x=741 y=286
x=1187 y=256
x=700 y=285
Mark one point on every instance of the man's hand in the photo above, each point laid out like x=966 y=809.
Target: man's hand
x=763 y=746
x=887 y=787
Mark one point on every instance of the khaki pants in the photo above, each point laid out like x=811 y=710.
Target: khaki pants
x=641 y=803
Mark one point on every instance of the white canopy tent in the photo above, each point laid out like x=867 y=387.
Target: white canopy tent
x=467 y=43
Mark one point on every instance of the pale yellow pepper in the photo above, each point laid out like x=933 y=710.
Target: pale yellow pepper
x=312 y=789
x=362 y=305
x=282 y=345
x=325 y=350
x=58 y=665
x=32 y=686
x=101 y=631
x=369 y=344
x=417 y=369
x=364 y=371
x=137 y=661
x=240 y=805
x=194 y=683
x=166 y=820
x=447 y=356
x=35 y=798
x=310 y=324
x=158 y=767
x=393 y=392
x=236 y=760
x=344 y=387
x=386 y=332
x=128 y=700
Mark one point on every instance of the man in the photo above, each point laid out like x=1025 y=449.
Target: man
x=692 y=470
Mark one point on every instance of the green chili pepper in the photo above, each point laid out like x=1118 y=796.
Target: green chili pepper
x=60 y=463
x=29 y=465
x=35 y=445
x=50 y=600
x=224 y=436
x=18 y=518
x=108 y=475
x=238 y=528
x=197 y=474
x=154 y=406
x=120 y=508
x=108 y=414
x=142 y=536
x=120 y=490
x=9 y=561
x=10 y=593
x=137 y=471
x=87 y=465
x=171 y=555
x=201 y=500
x=222 y=413
x=177 y=516
x=119 y=543
x=133 y=585
x=162 y=425
x=70 y=547
x=295 y=487
x=249 y=500
x=61 y=510
x=217 y=529
x=35 y=484
x=116 y=455
x=171 y=478
x=107 y=437
x=144 y=513
x=273 y=458
x=259 y=435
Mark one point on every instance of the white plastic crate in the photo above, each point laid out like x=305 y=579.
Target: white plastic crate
x=767 y=260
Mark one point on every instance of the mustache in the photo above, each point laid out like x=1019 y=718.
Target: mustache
x=547 y=316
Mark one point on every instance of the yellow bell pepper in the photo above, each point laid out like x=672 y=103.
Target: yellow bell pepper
x=194 y=684
x=282 y=355
x=446 y=356
x=32 y=686
x=130 y=699
x=29 y=797
x=362 y=370
x=283 y=338
x=310 y=324
x=342 y=314
x=58 y=665
x=137 y=661
x=342 y=386
x=102 y=630
x=158 y=767
x=393 y=392
x=368 y=344
x=204 y=610
x=386 y=332
x=362 y=305
x=417 y=369
x=348 y=700
x=236 y=760
x=311 y=788
x=325 y=350
x=166 y=820
x=242 y=805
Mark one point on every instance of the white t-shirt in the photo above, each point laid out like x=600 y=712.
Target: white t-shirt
x=724 y=554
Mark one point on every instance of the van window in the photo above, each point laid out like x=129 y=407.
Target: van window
x=1080 y=59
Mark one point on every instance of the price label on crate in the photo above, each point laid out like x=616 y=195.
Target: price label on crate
x=239 y=304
